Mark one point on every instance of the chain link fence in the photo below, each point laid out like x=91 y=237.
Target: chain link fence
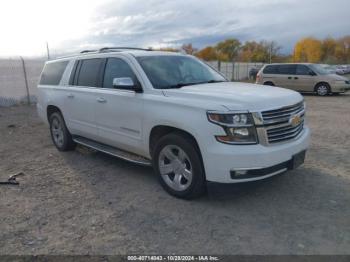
x=237 y=71
x=19 y=77
x=18 y=80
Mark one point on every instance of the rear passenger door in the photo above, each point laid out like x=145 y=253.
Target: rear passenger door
x=80 y=101
x=119 y=112
x=286 y=75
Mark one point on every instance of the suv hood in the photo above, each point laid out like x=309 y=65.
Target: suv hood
x=237 y=96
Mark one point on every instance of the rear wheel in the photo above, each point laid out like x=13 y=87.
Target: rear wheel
x=60 y=135
x=322 y=89
x=178 y=165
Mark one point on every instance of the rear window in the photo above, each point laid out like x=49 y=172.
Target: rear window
x=287 y=69
x=89 y=72
x=52 y=73
x=280 y=69
x=270 y=69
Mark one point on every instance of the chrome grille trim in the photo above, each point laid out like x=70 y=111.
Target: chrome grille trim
x=275 y=125
x=279 y=132
x=278 y=137
x=282 y=114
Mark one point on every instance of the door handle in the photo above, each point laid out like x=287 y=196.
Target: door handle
x=101 y=100
x=289 y=77
x=296 y=77
x=70 y=95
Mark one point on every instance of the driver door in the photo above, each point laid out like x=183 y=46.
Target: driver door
x=305 y=81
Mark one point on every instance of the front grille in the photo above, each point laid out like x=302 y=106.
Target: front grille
x=282 y=114
x=286 y=132
x=278 y=124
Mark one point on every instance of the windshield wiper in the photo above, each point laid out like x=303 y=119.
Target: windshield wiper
x=179 y=85
x=214 y=81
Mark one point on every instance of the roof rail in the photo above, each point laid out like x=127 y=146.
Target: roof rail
x=111 y=49
x=88 y=51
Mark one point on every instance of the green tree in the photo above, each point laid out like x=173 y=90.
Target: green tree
x=229 y=48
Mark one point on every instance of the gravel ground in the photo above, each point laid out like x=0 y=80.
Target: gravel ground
x=84 y=202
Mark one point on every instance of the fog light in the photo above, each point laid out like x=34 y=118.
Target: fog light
x=238 y=173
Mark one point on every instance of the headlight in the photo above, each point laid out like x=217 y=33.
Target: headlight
x=239 y=127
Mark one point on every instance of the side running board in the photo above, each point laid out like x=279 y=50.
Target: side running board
x=136 y=159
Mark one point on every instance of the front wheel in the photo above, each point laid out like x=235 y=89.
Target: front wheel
x=178 y=165
x=322 y=89
x=268 y=84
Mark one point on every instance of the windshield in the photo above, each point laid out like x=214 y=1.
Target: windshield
x=172 y=71
x=319 y=69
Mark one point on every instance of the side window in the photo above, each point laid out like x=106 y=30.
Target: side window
x=303 y=70
x=89 y=72
x=115 y=68
x=287 y=69
x=270 y=69
x=52 y=73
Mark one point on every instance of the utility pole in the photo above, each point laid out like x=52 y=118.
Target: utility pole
x=48 y=51
x=270 y=52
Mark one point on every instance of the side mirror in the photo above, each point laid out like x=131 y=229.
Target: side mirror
x=126 y=83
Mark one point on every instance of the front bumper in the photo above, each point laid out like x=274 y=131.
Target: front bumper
x=340 y=87
x=221 y=160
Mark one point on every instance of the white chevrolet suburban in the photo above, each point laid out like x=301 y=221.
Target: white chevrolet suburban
x=174 y=112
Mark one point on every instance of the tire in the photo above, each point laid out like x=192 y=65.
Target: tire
x=60 y=135
x=322 y=89
x=178 y=164
x=268 y=84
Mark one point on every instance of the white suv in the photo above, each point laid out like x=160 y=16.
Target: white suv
x=174 y=112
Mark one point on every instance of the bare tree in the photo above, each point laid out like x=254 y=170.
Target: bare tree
x=189 y=49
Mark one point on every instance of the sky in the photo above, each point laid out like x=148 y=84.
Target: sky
x=73 y=25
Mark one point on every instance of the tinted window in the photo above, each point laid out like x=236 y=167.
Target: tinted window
x=303 y=70
x=115 y=68
x=52 y=73
x=286 y=69
x=89 y=71
x=270 y=69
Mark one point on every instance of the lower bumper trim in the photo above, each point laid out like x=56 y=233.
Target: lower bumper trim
x=261 y=173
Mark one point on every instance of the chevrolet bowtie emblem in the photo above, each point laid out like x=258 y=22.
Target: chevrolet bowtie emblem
x=295 y=120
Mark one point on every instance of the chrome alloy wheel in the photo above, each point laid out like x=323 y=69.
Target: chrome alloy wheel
x=175 y=167
x=322 y=90
x=57 y=132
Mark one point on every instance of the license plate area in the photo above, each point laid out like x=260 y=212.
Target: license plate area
x=297 y=160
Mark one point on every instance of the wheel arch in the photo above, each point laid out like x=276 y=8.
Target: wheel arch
x=52 y=109
x=159 y=131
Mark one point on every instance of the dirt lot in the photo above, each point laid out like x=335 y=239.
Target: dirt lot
x=83 y=202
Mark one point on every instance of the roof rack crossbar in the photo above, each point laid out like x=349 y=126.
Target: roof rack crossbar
x=106 y=49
